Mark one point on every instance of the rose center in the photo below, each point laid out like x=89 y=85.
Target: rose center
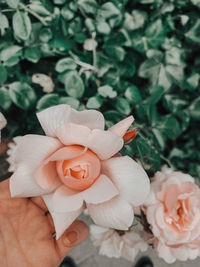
x=80 y=172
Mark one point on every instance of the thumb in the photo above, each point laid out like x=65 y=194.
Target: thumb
x=72 y=237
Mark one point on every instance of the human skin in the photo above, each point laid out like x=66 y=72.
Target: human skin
x=27 y=233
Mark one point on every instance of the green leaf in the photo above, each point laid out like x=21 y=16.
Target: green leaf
x=159 y=138
x=196 y=2
x=67 y=13
x=135 y=20
x=74 y=85
x=194 y=109
x=155 y=34
x=123 y=106
x=88 y=6
x=45 y=35
x=9 y=52
x=3 y=74
x=94 y=102
x=64 y=64
x=103 y=27
x=3 y=23
x=107 y=91
x=47 y=101
x=40 y=9
x=156 y=95
x=170 y=127
x=173 y=103
x=115 y=52
x=192 y=81
x=12 y=3
x=5 y=101
x=193 y=33
x=74 y=103
x=22 y=94
x=132 y=93
x=33 y=54
x=21 y=25
x=108 y=11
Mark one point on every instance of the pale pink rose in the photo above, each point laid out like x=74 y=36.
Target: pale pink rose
x=114 y=244
x=73 y=168
x=173 y=212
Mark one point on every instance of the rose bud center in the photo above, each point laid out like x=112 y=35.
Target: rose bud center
x=80 y=172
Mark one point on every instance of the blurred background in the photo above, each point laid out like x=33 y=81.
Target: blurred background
x=123 y=57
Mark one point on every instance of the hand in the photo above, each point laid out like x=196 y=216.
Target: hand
x=26 y=233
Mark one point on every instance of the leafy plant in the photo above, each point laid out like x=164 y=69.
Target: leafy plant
x=120 y=56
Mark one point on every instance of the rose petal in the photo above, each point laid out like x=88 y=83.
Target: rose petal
x=165 y=253
x=66 y=200
x=23 y=184
x=104 y=143
x=33 y=149
x=61 y=220
x=54 y=117
x=115 y=213
x=46 y=176
x=67 y=153
x=121 y=127
x=102 y=190
x=129 y=177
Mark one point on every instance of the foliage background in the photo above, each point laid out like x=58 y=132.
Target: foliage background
x=123 y=57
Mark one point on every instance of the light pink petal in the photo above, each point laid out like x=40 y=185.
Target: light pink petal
x=112 y=246
x=165 y=253
x=34 y=149
x=61 y=220
x=73 y=134
x=46 y=176
x=104 y=143
x=129 y=177
x=115 y=213
x=102 y=190
x=54 y=117
x=23 y=184
x=121 y=127
x=66 y=199
x=66 y=153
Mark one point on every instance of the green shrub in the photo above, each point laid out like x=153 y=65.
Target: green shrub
x=122 y=57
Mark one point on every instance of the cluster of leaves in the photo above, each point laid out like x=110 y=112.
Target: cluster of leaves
x=122 y=57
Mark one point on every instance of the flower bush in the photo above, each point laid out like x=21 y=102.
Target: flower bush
x=121 y=57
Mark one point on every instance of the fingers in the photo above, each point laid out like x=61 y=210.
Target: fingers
x=38 y=201
x=73 y=236
x=4 y=189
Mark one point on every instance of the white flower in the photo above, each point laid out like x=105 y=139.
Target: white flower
x=44 y=81
x=12 y=146
x=113 y=244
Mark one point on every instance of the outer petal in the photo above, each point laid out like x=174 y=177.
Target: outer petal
x=101 y=191
x=61 y=220
x=129 y=177
x=54 y=117
x=104 y=143
x=33 y=149
x=121 y=127
x=22 y=184
x=115 y=213
x=46 y=176
x=66 y=200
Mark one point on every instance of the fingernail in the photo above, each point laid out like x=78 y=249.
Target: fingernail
x=70 y=238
